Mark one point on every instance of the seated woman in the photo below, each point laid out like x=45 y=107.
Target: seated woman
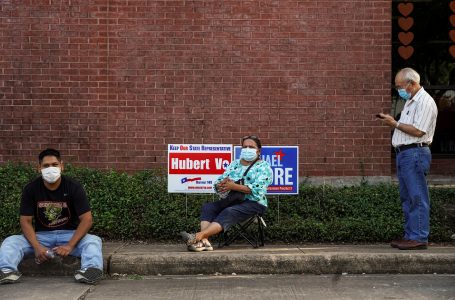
x=215 y=216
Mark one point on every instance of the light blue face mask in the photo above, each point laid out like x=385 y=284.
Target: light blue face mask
x=248 y=154
x=404 y=94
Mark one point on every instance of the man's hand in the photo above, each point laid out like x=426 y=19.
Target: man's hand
x=63 y=251
x=388 y=120
x=40 y=254
x=406 y=128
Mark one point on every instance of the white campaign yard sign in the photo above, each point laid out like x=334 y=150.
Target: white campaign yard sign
x=193 y=168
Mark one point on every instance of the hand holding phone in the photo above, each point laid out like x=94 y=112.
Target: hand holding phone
x=379 y=116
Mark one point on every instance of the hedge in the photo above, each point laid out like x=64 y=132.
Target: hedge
x=138 y=207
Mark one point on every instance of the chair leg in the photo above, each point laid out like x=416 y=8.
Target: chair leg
x=260 y=230
x=221 y=239
x=241 y=230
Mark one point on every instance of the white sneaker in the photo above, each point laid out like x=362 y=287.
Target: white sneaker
x=9 y=277
x=90 y=275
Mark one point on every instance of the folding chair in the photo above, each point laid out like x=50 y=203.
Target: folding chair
x=246 y=231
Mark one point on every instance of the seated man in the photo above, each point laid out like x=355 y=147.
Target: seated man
x=62 y=218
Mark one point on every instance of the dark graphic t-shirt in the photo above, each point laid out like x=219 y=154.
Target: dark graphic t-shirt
x=54 y=210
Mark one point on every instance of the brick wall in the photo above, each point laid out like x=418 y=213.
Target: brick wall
x=111 y=83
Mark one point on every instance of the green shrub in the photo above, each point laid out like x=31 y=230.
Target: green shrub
x=138 y=206
x=13 y=177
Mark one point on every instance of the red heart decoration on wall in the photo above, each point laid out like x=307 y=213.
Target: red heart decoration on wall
x=452 y=20
x=452 y=6
x=452 y=50
x=406 y=23
x=405 y=52
x=405 y=9
x=406 y=37
x=452 y=35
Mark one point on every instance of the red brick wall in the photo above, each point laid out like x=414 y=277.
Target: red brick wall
x=111 y=83
x=444 y=167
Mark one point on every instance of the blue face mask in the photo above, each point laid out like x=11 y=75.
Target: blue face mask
x=404 y=94
x=248 y=154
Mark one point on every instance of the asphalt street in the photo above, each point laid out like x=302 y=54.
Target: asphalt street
x=220 y=287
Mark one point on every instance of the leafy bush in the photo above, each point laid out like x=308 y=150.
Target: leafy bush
x=138 y=206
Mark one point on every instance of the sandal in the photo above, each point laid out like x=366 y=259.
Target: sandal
x=207 y=246
x=196 y=247
x=188 y=238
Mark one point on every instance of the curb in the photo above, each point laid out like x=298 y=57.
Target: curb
x=284 y=264
x=316 y=259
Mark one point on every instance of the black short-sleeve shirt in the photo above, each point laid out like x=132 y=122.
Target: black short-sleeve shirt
x=54 y=210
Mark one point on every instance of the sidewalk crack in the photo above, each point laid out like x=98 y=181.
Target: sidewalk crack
x=84 y=295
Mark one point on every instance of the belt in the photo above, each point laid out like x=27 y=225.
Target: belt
x=406 y=147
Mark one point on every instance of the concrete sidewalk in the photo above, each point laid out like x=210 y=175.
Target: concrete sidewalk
x=173 y=259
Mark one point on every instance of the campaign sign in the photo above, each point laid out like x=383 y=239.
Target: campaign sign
x=193 y=168
x=284 y=161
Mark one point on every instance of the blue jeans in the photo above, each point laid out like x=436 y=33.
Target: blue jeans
x=15 y=247
x=412 y=167
x=228 y=216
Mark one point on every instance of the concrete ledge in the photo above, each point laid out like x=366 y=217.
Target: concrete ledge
x=154 y=259
x=285 y=261
x=66 y=266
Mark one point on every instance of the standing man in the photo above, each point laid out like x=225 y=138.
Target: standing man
x=412 y=136
x=62 y=219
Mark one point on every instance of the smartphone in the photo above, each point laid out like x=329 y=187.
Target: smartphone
x=379 y=116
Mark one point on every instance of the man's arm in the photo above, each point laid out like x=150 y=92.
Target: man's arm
x=30 y=235
x=406 y=128
x=409 y=129
x=82 y=229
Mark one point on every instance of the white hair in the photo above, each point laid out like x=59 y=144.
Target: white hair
x=409 y=74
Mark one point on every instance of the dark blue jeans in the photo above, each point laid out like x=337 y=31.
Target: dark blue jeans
x=412 y=168
x=226 y=217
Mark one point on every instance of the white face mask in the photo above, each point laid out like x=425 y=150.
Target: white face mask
x=248 y=154
x=51 y=174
